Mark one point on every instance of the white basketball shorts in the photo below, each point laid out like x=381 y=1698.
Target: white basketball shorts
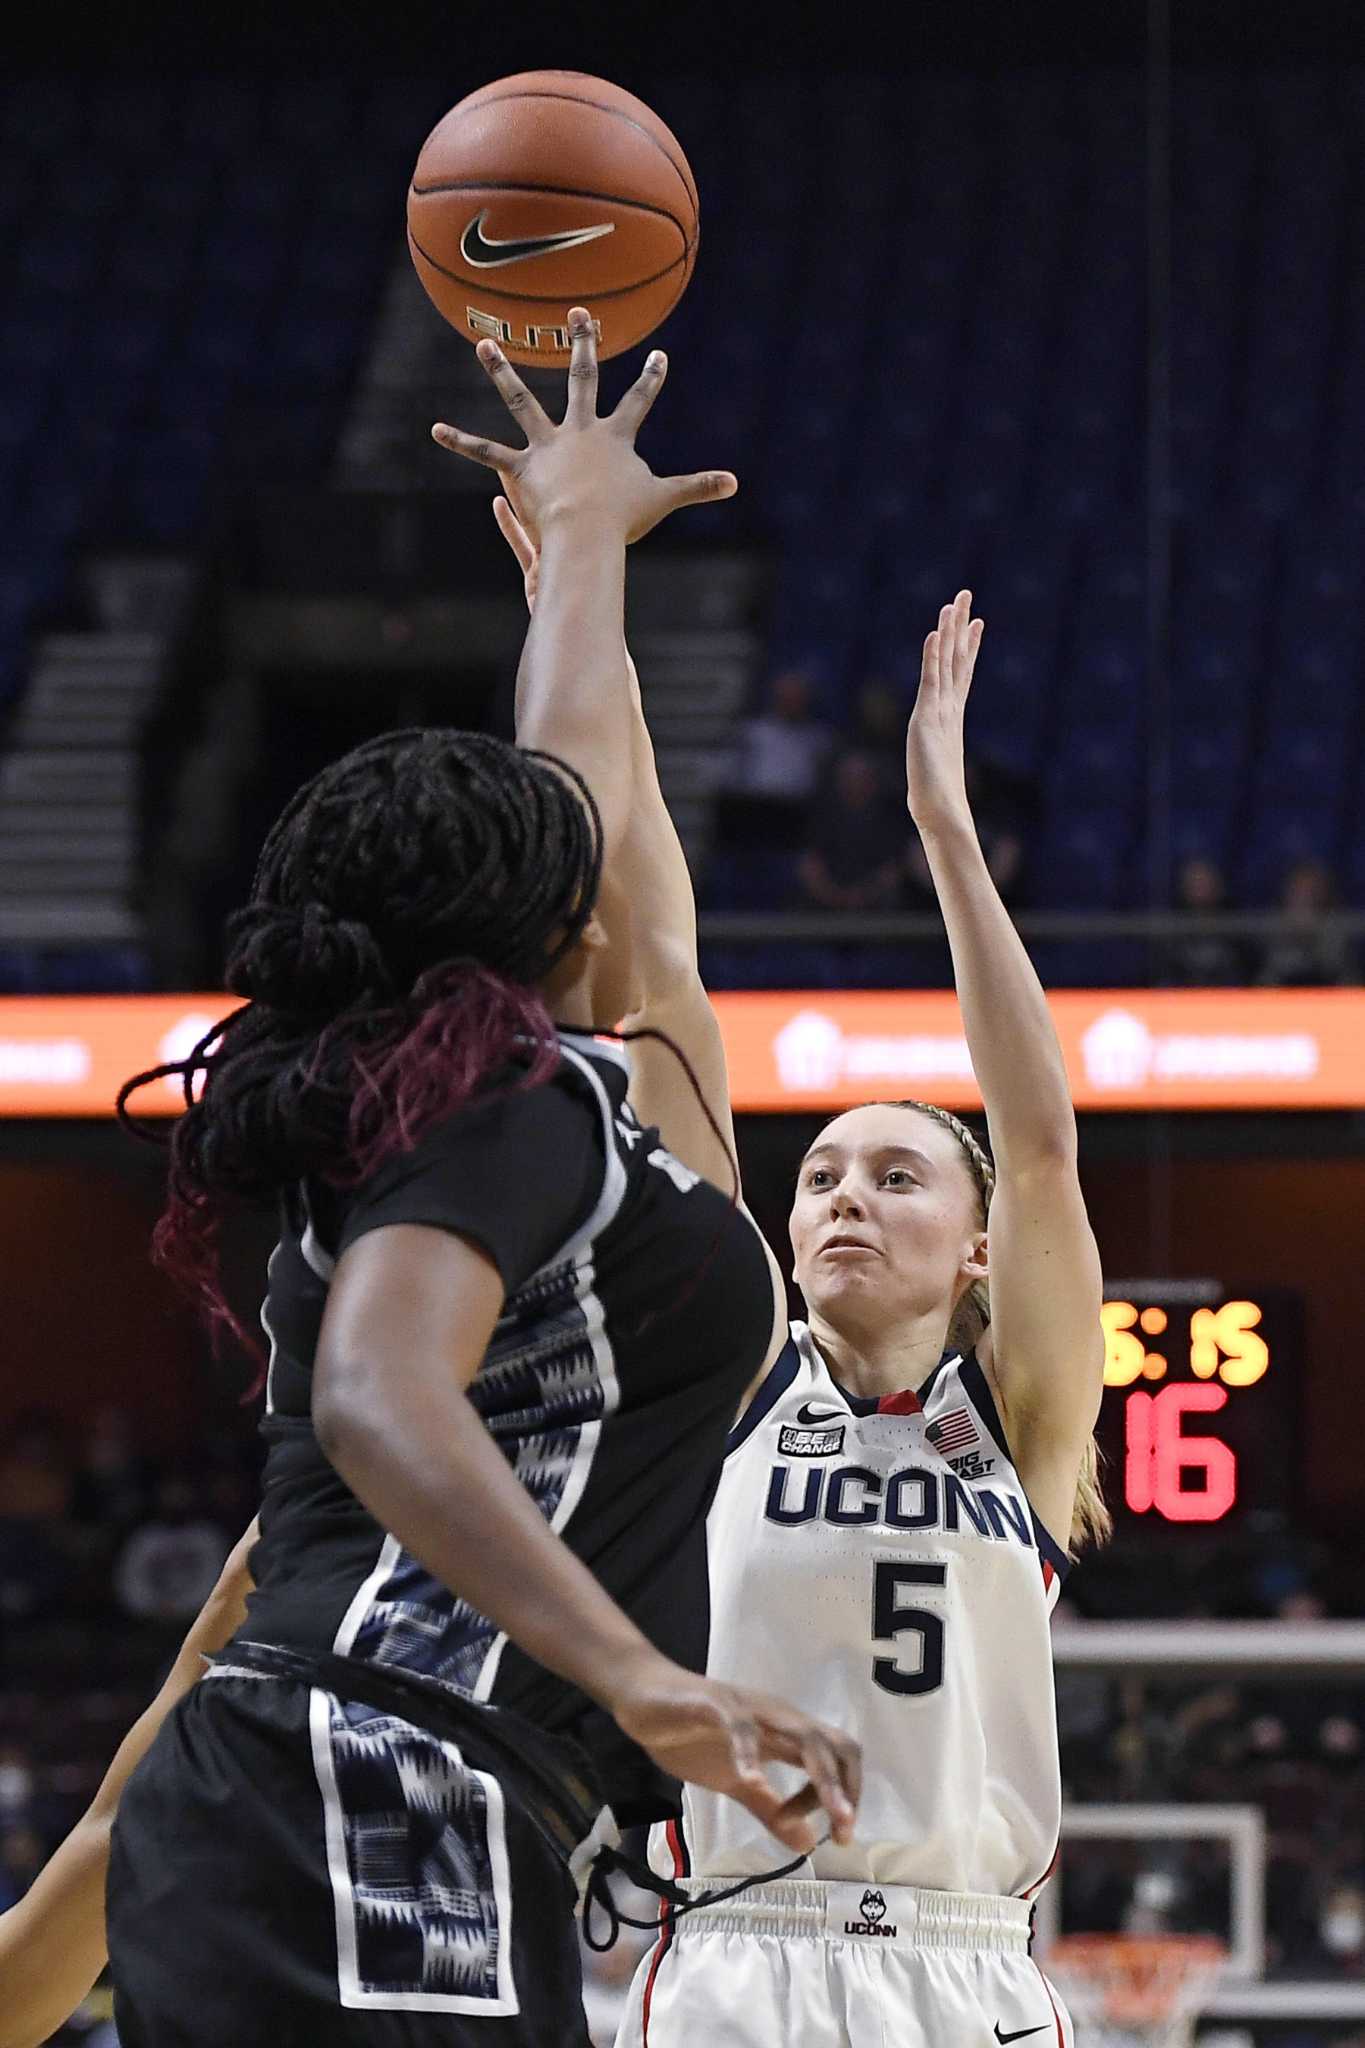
x=812 y=1965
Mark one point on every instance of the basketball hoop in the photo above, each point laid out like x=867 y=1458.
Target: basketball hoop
x=1135 y=1991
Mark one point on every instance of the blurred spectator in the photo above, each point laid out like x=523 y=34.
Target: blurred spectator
x=857 y=841
x=1341 y=1930
x=36 y=1475
x=1199 y=959
x=782 y=751
x=168 y=1567
x=879 y=730
x=112 y=1477
x=1340 y=1745
x=1307 y=952
x=16 y=1786
x=36 y=1484
x=1001 y=807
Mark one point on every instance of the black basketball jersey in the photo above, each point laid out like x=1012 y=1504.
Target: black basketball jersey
x=638 y=1306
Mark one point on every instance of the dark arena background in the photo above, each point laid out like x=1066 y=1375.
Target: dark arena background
x=1063 y=304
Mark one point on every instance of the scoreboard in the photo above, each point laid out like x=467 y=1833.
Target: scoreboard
x=1203 y=1393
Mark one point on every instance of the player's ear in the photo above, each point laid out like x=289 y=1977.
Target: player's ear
x=977 y=1264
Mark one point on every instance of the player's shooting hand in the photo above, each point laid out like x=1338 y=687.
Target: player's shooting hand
x=935 y=765
x=585 y=469
x=724 y=1736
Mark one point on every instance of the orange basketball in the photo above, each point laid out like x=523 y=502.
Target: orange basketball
x=549 y=190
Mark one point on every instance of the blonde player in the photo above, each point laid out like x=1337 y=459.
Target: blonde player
x=895 y=1516
x=904 y=1488
x=905 y=1484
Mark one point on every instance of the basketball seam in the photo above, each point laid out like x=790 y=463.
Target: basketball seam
x=574 y=99
x=559 y=192
x=544 y=298
x=547 y=297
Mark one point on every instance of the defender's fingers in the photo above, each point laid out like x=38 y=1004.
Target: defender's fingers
x=513 y=497
x=514 y=533
x=525 y=408
x=821 y=1760
x=784 y=1818
x=491 y=454
x=633 y=410
x=582 y=404
x=707 y=487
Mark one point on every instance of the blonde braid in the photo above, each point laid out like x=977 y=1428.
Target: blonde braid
x=1091 y=1521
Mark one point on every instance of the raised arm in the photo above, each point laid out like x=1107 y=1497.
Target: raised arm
x=572 y=684
x=647 y=907
x=1044 y=1348
x=52 y=1943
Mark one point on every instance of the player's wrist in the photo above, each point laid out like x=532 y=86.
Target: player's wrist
x=583 y=523
x=944 y=825
x=636 y=1681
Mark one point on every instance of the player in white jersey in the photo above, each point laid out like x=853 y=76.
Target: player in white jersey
x=894 y=1519
x=903 y=1483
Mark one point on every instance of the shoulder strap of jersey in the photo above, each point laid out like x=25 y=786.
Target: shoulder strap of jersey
x=781 y=1373
x=978 y=1389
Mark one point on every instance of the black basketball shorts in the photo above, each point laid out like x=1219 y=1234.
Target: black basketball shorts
x=295 y=1871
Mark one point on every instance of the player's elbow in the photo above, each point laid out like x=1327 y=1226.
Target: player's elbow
x=343 y=1418
x=1045 y=1154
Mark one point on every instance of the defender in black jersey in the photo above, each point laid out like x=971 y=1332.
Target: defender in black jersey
x=401 y=1881
x=508 y=1330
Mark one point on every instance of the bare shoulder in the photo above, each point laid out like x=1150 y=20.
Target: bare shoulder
x=781 y=1328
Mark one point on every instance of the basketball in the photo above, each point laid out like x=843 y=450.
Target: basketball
x=547 y=190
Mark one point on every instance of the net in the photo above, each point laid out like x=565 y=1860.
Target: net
x=1135 y=1991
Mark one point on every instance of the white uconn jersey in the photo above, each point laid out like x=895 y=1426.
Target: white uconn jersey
x=878 y=1565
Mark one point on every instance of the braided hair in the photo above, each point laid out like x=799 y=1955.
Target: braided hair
x=1091 y=1520
x=406 y=906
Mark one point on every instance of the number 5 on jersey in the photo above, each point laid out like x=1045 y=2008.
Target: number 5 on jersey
x=892 y=1617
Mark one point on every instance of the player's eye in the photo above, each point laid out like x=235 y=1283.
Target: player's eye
x=816 y=1176
x=896 y=1176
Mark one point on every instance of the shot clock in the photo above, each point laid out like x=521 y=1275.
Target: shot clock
x=1203 y=1386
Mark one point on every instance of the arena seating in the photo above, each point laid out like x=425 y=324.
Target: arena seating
x=925 y=377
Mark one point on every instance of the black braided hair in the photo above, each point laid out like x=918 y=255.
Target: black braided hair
x=406 y=906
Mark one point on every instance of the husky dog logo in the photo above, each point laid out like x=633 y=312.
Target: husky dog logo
x=871 y=1916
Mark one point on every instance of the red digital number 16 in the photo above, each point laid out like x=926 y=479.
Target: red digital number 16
x=1159 y=1453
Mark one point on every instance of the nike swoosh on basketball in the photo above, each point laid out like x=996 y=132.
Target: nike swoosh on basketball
x=486 y=252
x=1022 y=2033
x=807 y=1414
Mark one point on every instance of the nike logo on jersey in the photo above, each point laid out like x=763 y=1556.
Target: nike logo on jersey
x=1020 y=2035
x=809 y=1413
x=489 y=252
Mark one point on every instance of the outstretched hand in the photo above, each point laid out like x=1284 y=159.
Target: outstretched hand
x=724 y=1736
x=935 y=764
x=585 y=469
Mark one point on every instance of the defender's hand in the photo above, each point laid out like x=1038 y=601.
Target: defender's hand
x=935 y=767
x=722 y=1736
x=585 y=469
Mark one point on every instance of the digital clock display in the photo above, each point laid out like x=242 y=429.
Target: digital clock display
x=1202 y=1392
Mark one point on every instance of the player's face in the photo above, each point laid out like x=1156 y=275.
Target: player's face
x=886 y=1220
